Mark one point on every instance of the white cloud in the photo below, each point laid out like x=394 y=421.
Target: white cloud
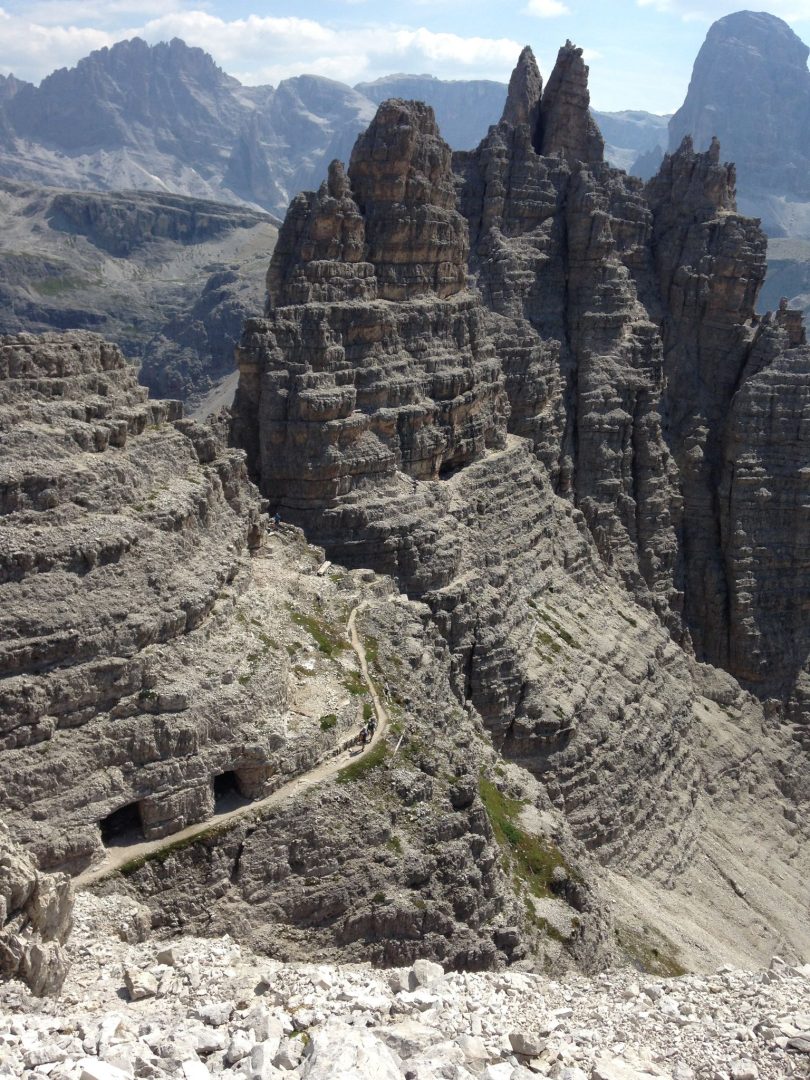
x=262 y=49
x=546 y=9
x=709 y=10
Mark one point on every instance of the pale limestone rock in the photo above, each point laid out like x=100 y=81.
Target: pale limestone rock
x=340 y=1052
x=140 y=984
x=425 y=973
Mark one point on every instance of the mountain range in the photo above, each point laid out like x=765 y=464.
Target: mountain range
x=167 y=118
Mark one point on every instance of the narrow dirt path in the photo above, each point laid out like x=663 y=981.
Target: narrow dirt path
x=118 y=856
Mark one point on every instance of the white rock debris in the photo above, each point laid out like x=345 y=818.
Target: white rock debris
x=208 y=1008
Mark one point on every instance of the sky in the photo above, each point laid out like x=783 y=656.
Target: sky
x=640 y=51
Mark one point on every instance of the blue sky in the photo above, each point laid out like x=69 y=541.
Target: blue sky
x=640 y=51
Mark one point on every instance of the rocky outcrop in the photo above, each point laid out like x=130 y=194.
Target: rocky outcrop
x=35 y=920
x=567 y=128
x=378 y=386
x=123 y=528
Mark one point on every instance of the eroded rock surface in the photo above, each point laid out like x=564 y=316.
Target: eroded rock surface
x=580 y=554
x=35 y=920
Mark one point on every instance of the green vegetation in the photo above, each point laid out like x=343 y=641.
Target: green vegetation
x=393 y=843
x=360 y=768
x=368 y=710
x=326 y=637
x=372 y=647
x=544 y=638
x=627 y=618
x=650 y=951
x=328 y=722
x=354 y=683
x=162 y=854
x=379 y=898
x=533 y=860
x=559 y=630
x=56 y=286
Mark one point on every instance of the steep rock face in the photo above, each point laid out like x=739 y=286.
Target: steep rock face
x=750 y=87
x=376 y=385
x=35 y=920
x=598 y=301
x=711 y=264
x=764 y=520
x=562 y=256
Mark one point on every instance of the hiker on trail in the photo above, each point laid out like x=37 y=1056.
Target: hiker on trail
x=362 y=738
x=371 y=727
x=277 y=519
x=415 y=485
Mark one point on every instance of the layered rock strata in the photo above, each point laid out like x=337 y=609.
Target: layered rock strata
x=618 y=321
x=166 y=662
x=137 y=666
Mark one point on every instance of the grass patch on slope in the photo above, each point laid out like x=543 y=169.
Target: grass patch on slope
x=359 y=769
x=534 y=860
x=326 y=637
x=650 y=951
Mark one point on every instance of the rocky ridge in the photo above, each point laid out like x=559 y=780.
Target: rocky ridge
x=35 y=919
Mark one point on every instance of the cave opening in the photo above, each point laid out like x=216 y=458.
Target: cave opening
x=122 y=825
x=227 y=791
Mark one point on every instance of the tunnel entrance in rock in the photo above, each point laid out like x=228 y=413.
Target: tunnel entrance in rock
x=228 y=792
x=450 y=468
x=122 y=826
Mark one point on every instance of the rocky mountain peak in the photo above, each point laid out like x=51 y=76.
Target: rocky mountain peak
x=525 y=91
x=750 y=87
x=401 y=175
x=566 y=125
x=402 y=158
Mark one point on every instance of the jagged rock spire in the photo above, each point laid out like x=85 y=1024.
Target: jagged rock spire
x=699 y=181
x=525 y=90
x=566 y=125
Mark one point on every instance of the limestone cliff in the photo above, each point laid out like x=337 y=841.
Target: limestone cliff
x=607 y=331
x=167 y=665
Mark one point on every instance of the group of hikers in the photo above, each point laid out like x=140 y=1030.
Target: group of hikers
x=367 y=731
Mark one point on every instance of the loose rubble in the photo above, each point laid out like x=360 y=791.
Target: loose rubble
x=208 y=1007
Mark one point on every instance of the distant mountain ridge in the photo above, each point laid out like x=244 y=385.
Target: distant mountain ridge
x=166 y=118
